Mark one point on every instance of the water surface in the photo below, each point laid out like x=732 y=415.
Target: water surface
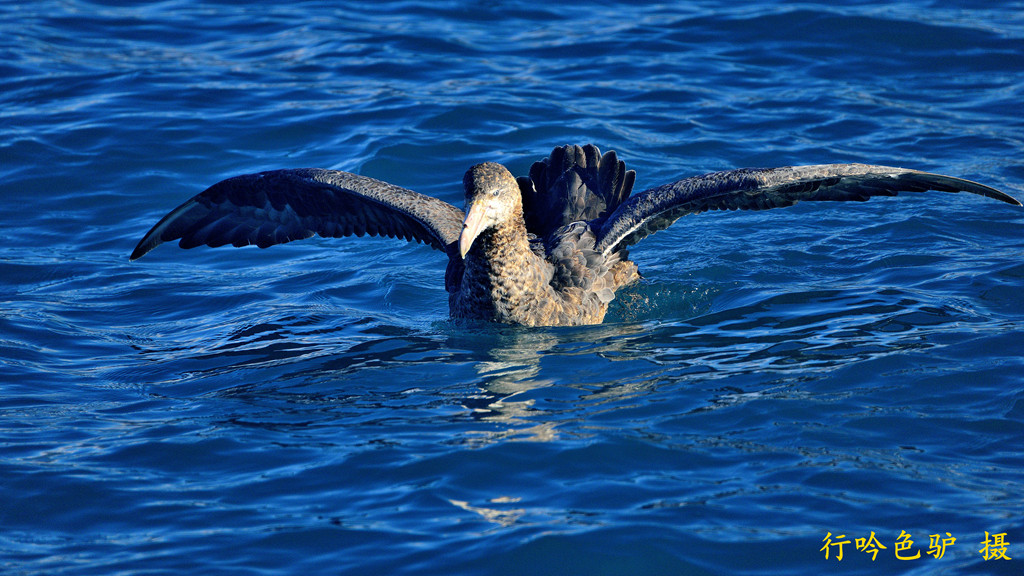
x=309 y=409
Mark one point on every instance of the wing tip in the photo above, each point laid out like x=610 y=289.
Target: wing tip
x=1007 y=198
x=155 y=236
x=970 y=186
x=150 y=241
x=137 y=253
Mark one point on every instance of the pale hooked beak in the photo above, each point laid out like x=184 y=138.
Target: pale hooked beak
x=472 y=226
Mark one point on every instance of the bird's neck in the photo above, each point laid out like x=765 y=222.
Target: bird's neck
x=504 y=280
x=501 y=245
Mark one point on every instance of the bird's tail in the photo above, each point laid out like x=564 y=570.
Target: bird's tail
x=573 y=184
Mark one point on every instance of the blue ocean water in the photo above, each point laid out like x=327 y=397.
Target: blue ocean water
x=779 y=382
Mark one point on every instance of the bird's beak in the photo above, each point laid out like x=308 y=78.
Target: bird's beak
x=472 y=226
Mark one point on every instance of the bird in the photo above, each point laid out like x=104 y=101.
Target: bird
x=546 y=249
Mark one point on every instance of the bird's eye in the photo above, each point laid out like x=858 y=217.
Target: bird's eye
x=494 y=193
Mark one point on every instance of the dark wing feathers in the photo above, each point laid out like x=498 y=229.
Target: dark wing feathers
x=573 y=184
x=762 y=189
x=284 y=205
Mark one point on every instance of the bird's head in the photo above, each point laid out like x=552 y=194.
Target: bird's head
x=492 y=196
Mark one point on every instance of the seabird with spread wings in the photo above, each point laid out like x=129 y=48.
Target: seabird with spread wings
x=548 y=249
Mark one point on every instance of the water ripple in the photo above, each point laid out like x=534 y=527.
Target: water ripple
x=310 y=408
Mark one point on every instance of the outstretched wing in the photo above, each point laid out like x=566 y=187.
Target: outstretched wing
x=284 y=205
x=761 y=189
